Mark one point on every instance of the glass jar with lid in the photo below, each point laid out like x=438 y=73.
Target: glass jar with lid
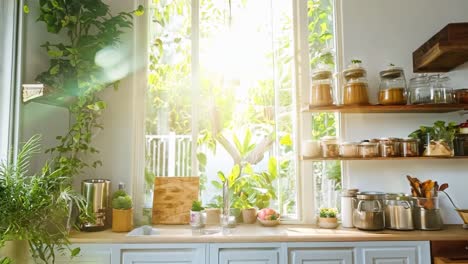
x=322 y=88
x=349 y=149
x=330 y=147
x=419 y=91
x=355 y=85
x=392 y=90
x=368 y=150
x=441 y=92
x=389 y=147
x=409 y=147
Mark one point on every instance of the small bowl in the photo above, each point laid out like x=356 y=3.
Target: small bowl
x=269 y=222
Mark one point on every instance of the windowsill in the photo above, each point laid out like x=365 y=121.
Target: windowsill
x=281 y=233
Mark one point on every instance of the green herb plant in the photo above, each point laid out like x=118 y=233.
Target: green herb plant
x=197 y=206
x=34 y=208
x=121 y=200
x=438 y=132
x=328 y=212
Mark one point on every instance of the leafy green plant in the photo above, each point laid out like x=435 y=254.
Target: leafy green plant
x=90 y=28
x=328 y=212
x=121 y=200
x=197 y=206
x=35 y=207
x=438 y=132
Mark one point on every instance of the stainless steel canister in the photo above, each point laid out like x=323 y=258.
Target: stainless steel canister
x=398 y=211
x=368 y=211
x=96 y=193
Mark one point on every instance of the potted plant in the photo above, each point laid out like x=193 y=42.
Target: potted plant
x=438 y=139
x=327 y=218
x=34 y=208
x=196 y=215
x=122 y=212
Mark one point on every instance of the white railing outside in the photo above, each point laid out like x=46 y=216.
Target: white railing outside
x=169 y=155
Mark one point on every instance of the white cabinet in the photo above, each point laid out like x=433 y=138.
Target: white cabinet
x=321 y=256
x=163 y=254
x=174 y=256
x=89 y=254
x=245 y=253
x=396 y=253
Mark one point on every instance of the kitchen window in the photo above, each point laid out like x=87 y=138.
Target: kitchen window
x=223 y=102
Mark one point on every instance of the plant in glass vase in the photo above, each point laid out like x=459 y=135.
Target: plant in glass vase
x=438 y=139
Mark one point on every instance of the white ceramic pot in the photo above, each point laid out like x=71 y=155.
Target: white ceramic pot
x=196 y=219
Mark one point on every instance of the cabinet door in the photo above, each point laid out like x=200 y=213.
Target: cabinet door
x=248 y=256
x=163 y=256
x=87 y=257
x=394 y=255
x=322 y=256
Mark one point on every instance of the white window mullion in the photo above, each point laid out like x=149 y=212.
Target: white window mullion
x=195 y=37
x=301 y=50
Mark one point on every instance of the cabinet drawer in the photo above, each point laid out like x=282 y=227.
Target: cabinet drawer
x=320 y=256
x=249 y=256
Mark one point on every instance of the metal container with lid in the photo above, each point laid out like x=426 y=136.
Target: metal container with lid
x=392 y=90
x=389 y=147
x=409 y=147
x=368 y=213
x=347 y=196
x=398 y=211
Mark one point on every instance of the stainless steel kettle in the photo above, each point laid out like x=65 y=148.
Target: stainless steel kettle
x=368 y=213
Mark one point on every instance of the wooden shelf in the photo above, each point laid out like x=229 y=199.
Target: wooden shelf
x=427 y=108
x=444 y=51
x=384 y=158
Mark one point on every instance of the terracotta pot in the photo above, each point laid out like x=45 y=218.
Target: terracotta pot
x=327 y=222
x=249 y=215
x=122 y=220
x=17 y=250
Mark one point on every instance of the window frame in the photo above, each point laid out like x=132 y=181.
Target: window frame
x=304 y=178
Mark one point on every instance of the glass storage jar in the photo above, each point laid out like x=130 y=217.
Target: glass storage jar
x=330 y=147
x=355 y=92
x=368 y=150
x=438 y=147
x=441 y=92
x=409 y=147
x=419 y=91
x=349 y=149
x=355 y=85
x=392 y=90
x=322 y=88
x=461 y=96
x=389 y=147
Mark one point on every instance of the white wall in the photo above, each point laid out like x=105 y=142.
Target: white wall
x=381 y=32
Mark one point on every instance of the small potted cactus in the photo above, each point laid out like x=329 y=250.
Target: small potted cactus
x=122 y=212
x=196 y=215
x=327 y=218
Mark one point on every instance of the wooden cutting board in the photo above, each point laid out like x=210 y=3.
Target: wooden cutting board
x=172 y=199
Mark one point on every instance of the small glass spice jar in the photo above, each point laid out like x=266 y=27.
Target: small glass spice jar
x=349 y=149
x=409 y=147
x=389 y=147
x=330 y=147
x=368 y=150
x=321 y=93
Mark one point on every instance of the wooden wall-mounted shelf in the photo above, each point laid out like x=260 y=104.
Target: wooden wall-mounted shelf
x=429 y=108
x=444 y=51
x=384 y=158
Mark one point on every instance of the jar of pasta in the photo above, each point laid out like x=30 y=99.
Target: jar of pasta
x=330 y=147
x=322 y=88
x=392 y=90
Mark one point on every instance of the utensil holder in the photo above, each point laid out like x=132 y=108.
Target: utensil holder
x=427 y=219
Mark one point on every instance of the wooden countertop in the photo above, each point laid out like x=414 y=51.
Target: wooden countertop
x=281 y=233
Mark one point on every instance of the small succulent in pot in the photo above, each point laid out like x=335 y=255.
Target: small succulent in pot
x=327 y=218
x=196 y=215
x=122 y=212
